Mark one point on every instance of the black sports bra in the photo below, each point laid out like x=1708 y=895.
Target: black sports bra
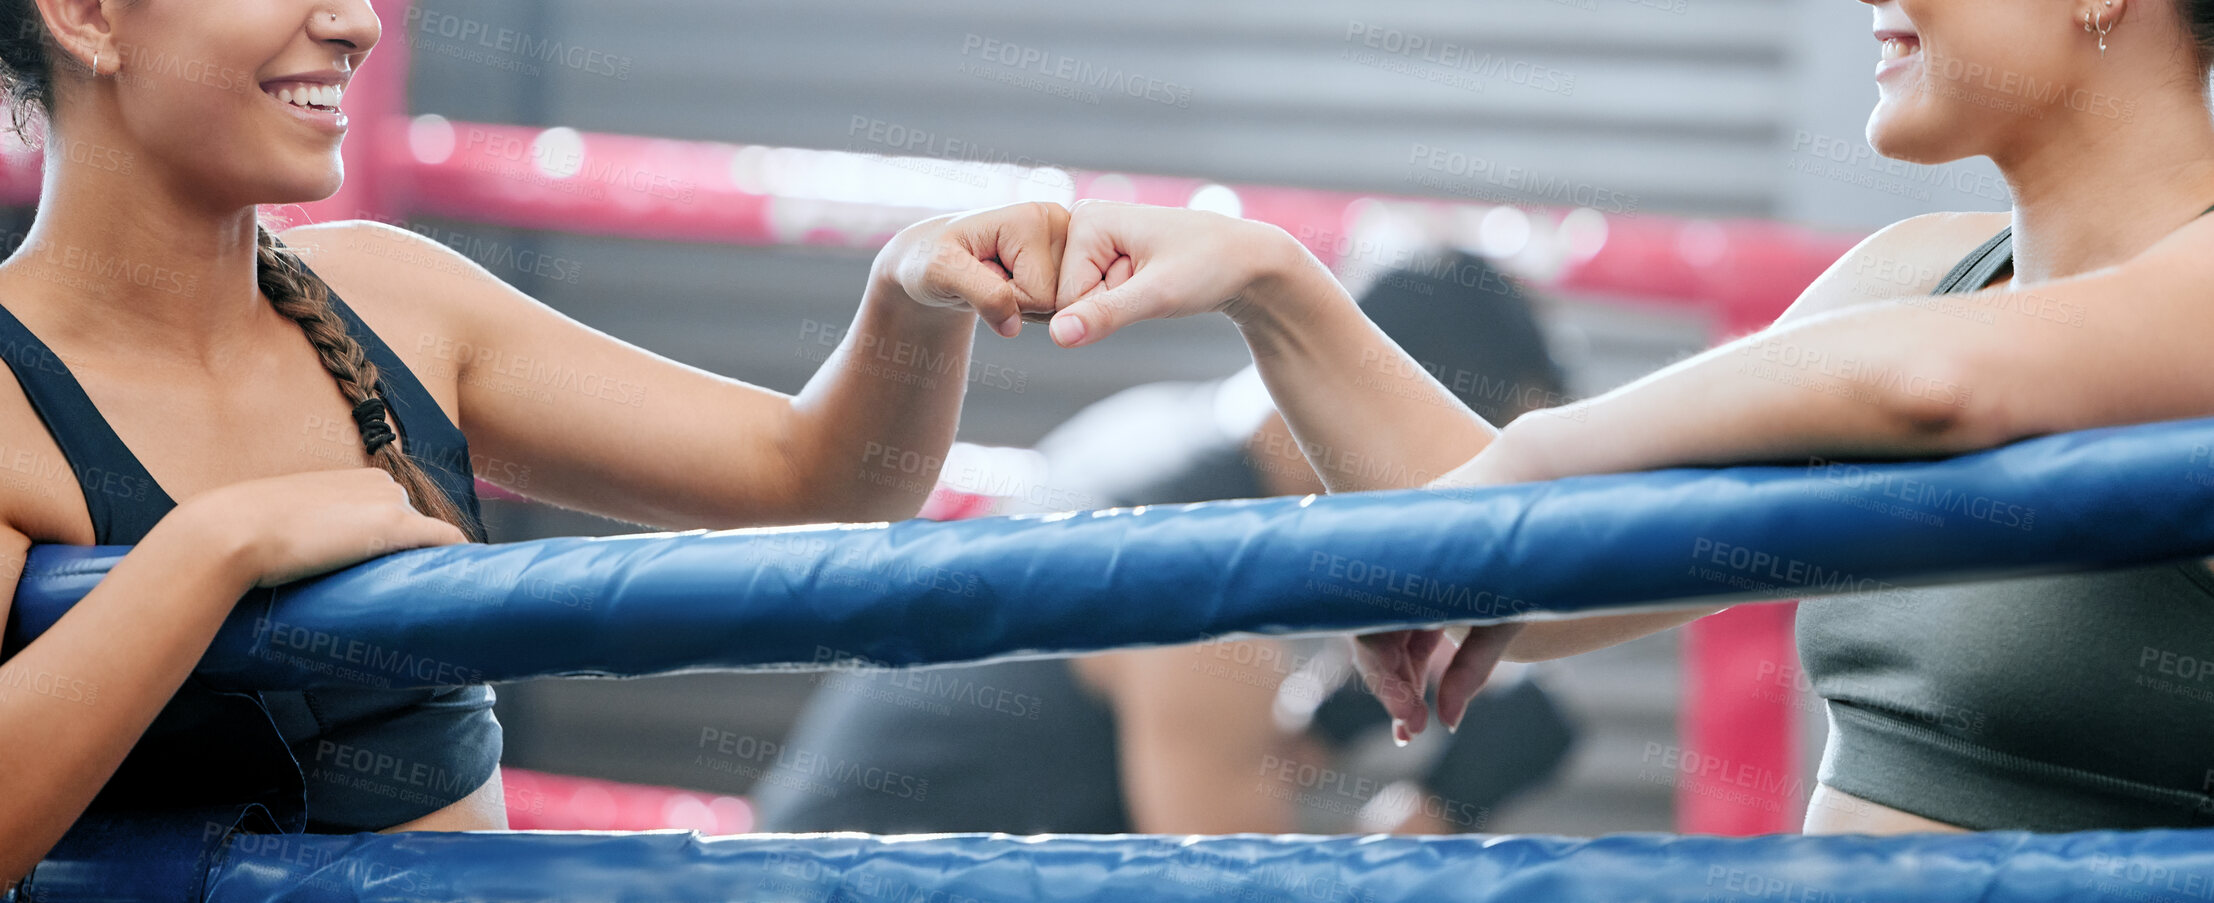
x=338 y=760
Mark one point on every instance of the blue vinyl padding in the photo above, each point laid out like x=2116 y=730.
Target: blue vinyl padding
x=671 y=867
x=919 y=593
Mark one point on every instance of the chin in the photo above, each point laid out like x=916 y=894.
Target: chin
x=304 y=188
x=1910 y=133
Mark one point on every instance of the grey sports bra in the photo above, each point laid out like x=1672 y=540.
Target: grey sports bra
x=2065 y=703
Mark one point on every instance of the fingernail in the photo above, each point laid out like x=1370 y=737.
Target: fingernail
x=1010 y=327
x=1067 y=330
x=1399 y=733
x=1452 y=726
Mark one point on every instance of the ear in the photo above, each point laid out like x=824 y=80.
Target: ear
x=82 y=29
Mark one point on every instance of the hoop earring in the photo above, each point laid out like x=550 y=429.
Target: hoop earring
x=96 y=64
x=2103 y=28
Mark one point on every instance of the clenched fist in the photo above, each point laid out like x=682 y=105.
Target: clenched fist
x=1003 y=263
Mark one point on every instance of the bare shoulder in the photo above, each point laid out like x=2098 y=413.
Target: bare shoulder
x=2185 y=255
x=399 y=267
x=413 y=292
x=1905 y=259
x=1913 y=255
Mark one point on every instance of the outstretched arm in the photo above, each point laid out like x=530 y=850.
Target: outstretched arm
x=1366 y=415
x=1369 y=416
x=561 y=412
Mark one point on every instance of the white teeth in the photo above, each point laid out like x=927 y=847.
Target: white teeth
x=309 y=96
x=1895 y=48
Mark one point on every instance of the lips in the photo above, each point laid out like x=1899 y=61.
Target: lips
x=312 y=99
x=1901 y=50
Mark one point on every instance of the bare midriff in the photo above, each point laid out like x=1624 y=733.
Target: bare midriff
x=1833 y=811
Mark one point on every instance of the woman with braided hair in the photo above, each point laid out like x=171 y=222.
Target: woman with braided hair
x=247 y=409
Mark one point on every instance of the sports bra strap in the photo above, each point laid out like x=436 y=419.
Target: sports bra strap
x=120 y=494
x=1984 y=264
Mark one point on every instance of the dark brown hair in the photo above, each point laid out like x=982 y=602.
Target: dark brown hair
x=2198 y=16
x=27 y=76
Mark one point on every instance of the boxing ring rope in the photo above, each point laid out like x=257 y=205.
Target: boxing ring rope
x=919 y=593
x=412 y=868
x=923 y=593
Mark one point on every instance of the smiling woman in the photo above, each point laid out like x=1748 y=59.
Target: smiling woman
x=2088 y=309
x=195 y=415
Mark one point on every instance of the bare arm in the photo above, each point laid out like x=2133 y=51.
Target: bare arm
x=1897 y=378
x=1906 y=258
x=1366 y=415
x=1318 y=389
x=1353 y=396
x=601 y=425
x=76 y=700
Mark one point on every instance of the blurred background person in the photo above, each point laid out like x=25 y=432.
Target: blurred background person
x=1227 y=737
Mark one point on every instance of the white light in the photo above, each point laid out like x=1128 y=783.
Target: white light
x=1113 y=187
x=1046 y=184
x=844 y=177
x=786 y=171
x=1582 y=233
x=431 y=138
x=994 y=470
x=745 y=169
x=688 y=812
x=926 y=183
x=1504 y=232
x=1219 y=199
x=559 y=152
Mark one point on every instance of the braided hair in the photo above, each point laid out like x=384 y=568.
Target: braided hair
x=27 y=54
x=297 y=294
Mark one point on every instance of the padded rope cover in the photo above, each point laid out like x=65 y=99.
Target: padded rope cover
x=920 y=593
x=682 y=867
